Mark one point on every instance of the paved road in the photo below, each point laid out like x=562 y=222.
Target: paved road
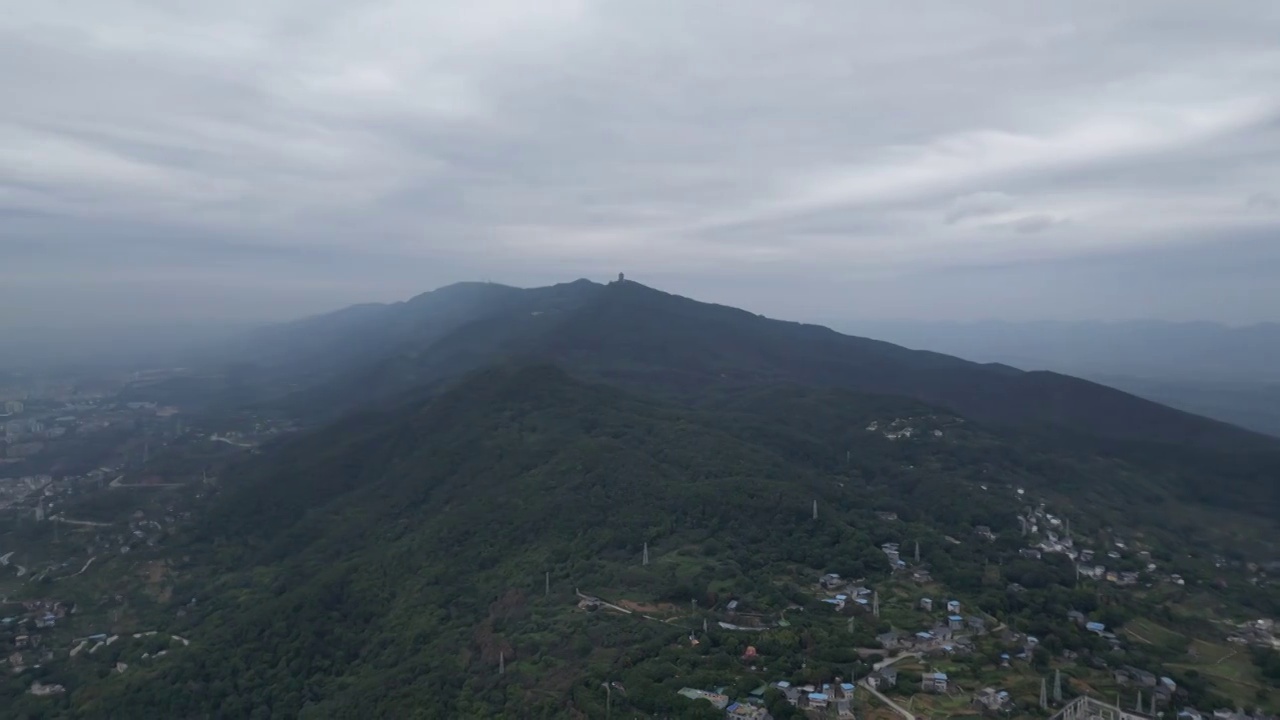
x=891 y=704
x=896 y=658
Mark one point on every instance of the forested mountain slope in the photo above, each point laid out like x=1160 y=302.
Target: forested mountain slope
x=388 y=566
x=363 y=333
x=651 y=341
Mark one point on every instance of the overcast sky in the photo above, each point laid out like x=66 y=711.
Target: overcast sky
x=169 y=159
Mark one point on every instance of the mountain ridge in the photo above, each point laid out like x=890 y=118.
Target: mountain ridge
x=640 y=337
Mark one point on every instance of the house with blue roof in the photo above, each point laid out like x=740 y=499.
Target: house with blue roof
x=934 y=682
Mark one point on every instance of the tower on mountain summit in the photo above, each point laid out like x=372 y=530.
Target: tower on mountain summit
x=621 y=277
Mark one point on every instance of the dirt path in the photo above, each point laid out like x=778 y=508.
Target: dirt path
x=605 y=603
x=1136 y=636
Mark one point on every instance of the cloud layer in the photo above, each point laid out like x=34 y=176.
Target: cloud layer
x=276 y=156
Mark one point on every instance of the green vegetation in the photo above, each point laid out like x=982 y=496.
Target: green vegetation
x=389 y=565
x=440 y=553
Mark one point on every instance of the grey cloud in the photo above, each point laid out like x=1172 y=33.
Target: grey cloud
x=1034 y=223
x=978 y=204
x=344 y=151
x=1263 y=201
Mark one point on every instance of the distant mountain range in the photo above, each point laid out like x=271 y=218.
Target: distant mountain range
x=1227 y=373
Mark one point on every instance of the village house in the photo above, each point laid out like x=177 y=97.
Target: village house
x=1129 y=675
x=883 y=678
x=993 y=700
x=745 y=711
x=934 y=682
x=789 y=691
x=891 y=551
x=953 y=606
x=720 y=702
x=890 y=640
x=926 y=604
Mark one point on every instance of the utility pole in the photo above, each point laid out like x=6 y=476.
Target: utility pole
x=917 y=552
x=815 y=510
x=645 y=559
x=1138 y=705
x=546 y=591
x=502 y=663
x=1057 y=686
x=1044 y=696
x=875 y=603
